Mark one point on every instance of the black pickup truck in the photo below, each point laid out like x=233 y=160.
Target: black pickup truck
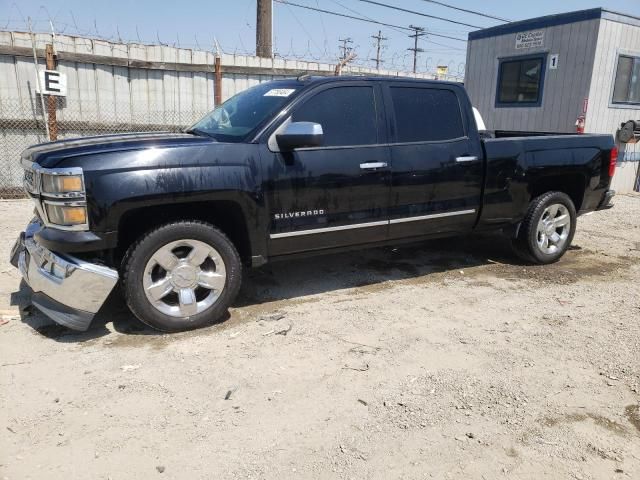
x=282 y=169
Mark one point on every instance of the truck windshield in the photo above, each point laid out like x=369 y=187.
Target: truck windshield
x=233 y=120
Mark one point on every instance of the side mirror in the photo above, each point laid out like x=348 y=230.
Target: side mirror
x=300 y=135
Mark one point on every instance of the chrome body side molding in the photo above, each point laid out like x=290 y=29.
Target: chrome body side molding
x=431 y=216
x=328 y=229
x=312 y=231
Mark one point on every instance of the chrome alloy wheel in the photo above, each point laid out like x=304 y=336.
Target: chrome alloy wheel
x=553 y=229
x=184 y=278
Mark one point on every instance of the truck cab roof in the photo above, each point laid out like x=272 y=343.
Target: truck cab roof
x=317 y=79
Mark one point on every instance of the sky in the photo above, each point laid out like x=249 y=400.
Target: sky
x=298 y=33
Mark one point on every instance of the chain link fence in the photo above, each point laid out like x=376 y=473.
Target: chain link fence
x=22 y=124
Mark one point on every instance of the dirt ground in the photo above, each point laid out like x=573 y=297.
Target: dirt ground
x=447 y=359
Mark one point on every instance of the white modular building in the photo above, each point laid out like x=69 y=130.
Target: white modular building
x=563 y=73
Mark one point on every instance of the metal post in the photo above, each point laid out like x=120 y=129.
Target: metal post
x=264 y=28
x=35 y=63
x=217 y=82
x=51 y=99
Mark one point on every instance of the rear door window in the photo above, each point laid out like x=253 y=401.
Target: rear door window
x=426 y=114
x=347 y=115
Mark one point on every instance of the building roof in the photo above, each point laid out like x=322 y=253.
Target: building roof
x=554 y=20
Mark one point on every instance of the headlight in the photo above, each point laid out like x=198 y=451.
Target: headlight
x=66 y=215
x=60 y=196
x=62 y=183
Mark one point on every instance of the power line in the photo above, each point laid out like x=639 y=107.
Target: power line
x=352 y=17
x=444 y=32
x=379 y=38
x=448 y=47
x=324 y=30
x=303 y=28
x=397 y=29
x=419 y=13
x=473 y=12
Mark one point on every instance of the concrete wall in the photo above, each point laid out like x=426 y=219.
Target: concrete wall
x=107 y=91
x=171 y=80
x=115 y=87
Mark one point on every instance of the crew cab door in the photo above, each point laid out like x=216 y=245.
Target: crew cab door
x=436 y=160
x=336 y=194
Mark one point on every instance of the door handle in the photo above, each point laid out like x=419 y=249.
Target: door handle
x=466 y=158
x=372 y=165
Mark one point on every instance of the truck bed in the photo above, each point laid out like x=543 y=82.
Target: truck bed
x=516 y=166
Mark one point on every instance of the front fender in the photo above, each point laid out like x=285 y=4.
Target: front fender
x=120 y=182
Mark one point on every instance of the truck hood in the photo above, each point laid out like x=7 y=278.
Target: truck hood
x=48 y=155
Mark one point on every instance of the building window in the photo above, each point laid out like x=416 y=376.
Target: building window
x=626 y=88
x=520 y=82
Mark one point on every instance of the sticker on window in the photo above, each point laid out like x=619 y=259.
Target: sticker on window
x=279 y=92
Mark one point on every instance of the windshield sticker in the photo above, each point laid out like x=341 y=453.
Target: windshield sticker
x=279 y=92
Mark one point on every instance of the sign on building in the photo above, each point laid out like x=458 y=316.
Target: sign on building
x=52 y=82
x=442 y=70
x=532 y=39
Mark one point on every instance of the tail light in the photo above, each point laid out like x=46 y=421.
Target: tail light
x=613 y=160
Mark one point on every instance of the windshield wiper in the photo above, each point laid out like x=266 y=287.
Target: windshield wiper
x=198 y=132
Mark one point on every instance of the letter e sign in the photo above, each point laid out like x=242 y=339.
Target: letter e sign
x=53 y=82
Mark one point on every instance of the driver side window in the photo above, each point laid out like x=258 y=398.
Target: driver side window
x=347 y=115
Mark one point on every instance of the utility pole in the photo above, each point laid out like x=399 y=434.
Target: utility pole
x=418 y=32
x=379 y=39
x=264 y=28
x=346 y=49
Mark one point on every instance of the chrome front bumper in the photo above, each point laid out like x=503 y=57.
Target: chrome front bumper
x=67 y=289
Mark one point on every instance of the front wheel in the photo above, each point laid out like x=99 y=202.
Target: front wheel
x=181 y=276
x=547 y=230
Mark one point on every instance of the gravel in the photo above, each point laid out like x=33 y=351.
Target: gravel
x=446 y=359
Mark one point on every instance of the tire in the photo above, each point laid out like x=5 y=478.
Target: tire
x=180 y=276
x=547 y=230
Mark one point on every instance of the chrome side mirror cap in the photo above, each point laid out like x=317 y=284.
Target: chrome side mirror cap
x=300 y=135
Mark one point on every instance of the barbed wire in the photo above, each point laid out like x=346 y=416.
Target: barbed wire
x=44 y=23
x=23 y=120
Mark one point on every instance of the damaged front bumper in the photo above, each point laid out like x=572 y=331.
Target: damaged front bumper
x=67 y=289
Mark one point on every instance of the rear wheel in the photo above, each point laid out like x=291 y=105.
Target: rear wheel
x=182 y=275
x=547 y=230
